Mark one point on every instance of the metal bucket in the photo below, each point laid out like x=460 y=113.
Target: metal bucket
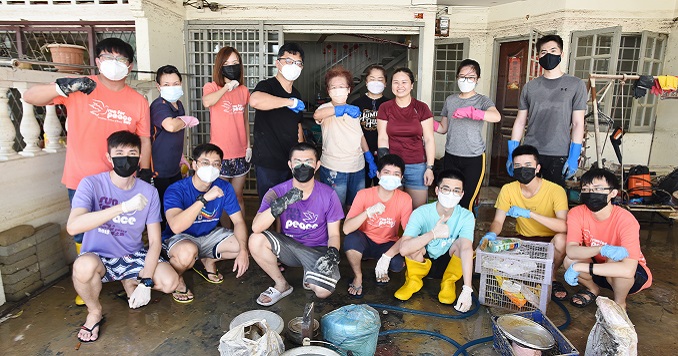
x=311 y=351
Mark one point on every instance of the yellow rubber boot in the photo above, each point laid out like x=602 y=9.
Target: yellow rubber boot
x=413 y=283
x=78 y=300
x=448 y=288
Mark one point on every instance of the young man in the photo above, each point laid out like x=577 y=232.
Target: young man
x=539 y=206
x=603 y=243
x=193 y=207
x=112 y=209
x=433 y=230
x=310 y=214
x=552 y=107
x=277 y=119
x=371 y=226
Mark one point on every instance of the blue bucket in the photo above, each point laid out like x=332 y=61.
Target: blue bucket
x=352 y=327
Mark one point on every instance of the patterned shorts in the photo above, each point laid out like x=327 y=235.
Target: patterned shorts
x=235 y=167
x=125 y=267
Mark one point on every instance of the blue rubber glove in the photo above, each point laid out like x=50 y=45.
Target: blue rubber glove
x=572 y=276
x=350 y=110
x=490 y=236
x=570 y=167
x=512 y=144
x=615 y=253
x=518 y=212
x=369 y=158
x=340 y=110
x=297 y=105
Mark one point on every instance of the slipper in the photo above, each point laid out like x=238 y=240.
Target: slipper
x=204 y=273
x=557 y=287
x=90 y=330
x=281 y=267
x=189 y=298
x=359 y=289
x=274 y=295
x=581 y=296
x=307 y=286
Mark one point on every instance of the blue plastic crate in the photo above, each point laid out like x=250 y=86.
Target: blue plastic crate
x=563 y=346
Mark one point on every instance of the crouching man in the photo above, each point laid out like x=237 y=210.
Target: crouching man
x=112 y=209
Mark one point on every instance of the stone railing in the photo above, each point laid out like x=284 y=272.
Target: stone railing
x=62 y=2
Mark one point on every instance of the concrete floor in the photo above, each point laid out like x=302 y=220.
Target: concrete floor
x=49 y=321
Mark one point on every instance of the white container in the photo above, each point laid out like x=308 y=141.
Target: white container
x=274 y=321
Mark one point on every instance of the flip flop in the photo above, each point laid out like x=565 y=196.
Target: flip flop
x=382 y=283
x=204 y=273
x=274 y=295
x=581 y=297
x=359 y=289
x=557 y=287
x=90 y=330
x=189 y=298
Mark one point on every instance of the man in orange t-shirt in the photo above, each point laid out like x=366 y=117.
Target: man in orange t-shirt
x=603 y=243
x=372 y=223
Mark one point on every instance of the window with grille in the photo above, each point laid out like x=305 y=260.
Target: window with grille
x=448 y=55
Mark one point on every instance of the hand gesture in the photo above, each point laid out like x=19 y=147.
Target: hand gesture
x=297 y=105
x=615 y=253
x=137 y=203
x=441 y=230
x=375 y=210
x=279 y=205
x=66 y=86
x=232 y=85
x=190 y=121
x=214 y=193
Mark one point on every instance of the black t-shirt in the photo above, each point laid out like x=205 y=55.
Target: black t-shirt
x=368 y=119
x=275 y=131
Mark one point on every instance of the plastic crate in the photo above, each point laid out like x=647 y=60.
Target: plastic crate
x=563 y=346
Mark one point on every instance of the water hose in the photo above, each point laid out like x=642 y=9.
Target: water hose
x=425 y=332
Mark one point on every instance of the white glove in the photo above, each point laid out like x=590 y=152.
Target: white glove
x=140 y=297
x=375 y=209
x=137 y=203
x=464 y=301
x=382 y=266
x=248 y=154
x=441 y=230
x=232 y=85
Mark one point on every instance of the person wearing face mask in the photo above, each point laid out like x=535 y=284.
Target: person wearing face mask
x=552 y=106
x=309 y=213
x=194 y=206
x=463 y=118
x=371 y=226
x=437 y=229
x=369 y=103
x=345 y=150
x=539 y=206
x=603 y=243
x=112 y=209
x=229 y=118
x=97 y=106
x=277 y=118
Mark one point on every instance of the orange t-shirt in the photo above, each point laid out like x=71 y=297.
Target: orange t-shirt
x=91 y=119
x=227 y=120
x=620 y=229
x=383 y=227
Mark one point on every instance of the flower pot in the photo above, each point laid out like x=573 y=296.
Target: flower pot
x=67 y=54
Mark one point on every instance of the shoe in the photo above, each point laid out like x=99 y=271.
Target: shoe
x=448 y=287
x=274 y=295
x=78 y=301
x=413 y=283
x=90 y=330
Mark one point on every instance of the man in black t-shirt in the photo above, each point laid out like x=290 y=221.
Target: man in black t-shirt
x=277 y=119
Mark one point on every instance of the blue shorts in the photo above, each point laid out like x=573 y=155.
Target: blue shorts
x=358 y=241
x=346 y=185
x=413 y=177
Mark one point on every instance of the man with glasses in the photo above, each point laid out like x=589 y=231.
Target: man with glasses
x=603 y=243
x=277 y=119
x=193 y=207
x=435 y=229
x=539 y=206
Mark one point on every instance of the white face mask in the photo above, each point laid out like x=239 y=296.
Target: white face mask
x=390 y=182
x=448 y=201
x=172 y=93
x=208 y=174
x=465 y=86
x=375 y=87
x=339 y=95
x=113 y=70
x=291 y=72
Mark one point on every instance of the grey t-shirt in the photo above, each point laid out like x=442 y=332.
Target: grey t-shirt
x=549 y=104
x=464 y=136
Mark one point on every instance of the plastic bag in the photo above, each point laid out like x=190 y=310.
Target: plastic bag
x=352 y=327
x=254 y=338
x=613 y=333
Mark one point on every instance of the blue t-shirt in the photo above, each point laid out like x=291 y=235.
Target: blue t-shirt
x=424 y=218
x=167 y=146
x=183 y=194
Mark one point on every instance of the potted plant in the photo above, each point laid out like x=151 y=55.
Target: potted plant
x=67 y=54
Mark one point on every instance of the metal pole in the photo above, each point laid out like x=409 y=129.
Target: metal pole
x=13 y=62
x=596 y=129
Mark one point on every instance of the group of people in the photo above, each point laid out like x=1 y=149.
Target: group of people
x=123 y=176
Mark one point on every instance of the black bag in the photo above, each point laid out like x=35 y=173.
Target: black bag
x=666 y=187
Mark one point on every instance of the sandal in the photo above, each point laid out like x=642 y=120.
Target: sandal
x=581 y=297
x=358 y=290
x=274 y=295
x=91 y=330
x=557 y=287
x=182 y=297
x=204 y=273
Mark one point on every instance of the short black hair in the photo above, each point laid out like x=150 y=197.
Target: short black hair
x=304 y=146
x=199 y=150
x=291 y=48
x=469 y=62
x=548 y=38
x=116 y=45
x=123 y=139
x=450 y=174
x=600 y=173
x=405 y=70
x=391 y=160
x=377 y=67
x=526 y=150
x=166 y=69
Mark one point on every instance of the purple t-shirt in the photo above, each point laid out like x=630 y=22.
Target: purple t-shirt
x=121 y=235
x=306 y=220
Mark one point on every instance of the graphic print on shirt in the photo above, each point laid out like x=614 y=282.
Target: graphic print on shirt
x=381 y=222
x=232 y=108
x=206 y=215
x=368 y=120
x=122 y=219
x=103 y=112
x=308 y=221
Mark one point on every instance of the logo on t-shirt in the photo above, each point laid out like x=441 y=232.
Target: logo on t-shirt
x=379 y=222
x=103 y=112
x=307 y=223
x=369 y=120
x=233 y=108
x=206 y=214
x=589 y=240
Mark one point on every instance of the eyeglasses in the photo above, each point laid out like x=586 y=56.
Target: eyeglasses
x=338 y=87
x=205 y=163
x=596 y=190
x=308 y=162
x=291 y=61
x=468 y=79
x=108 y=57
x=447 y=190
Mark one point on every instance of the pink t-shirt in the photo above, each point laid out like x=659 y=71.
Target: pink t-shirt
x=227 y=120
x=383 y=227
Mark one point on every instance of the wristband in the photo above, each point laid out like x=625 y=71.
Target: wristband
x=430 y=166
x=591 y=269
x=148 y=282
x=201 y=198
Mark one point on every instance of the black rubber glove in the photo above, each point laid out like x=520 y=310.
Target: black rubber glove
x=382 y=151
x=71 y=85
x=279 y=205
x=326 y=264
x=642 y=85
x=145 y=174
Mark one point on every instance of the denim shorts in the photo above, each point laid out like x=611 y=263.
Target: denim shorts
x=235 y=167
x=413 y=177
x=346 y=185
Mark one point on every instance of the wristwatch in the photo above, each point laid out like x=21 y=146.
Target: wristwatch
x=148 y=282
x=201 y=198
x=430 y=166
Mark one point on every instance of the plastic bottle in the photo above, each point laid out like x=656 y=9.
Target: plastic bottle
x=500 y=245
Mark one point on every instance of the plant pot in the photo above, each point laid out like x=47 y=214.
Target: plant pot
x=67 y=54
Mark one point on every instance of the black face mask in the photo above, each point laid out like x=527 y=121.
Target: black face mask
x=594 y=201
x=231 y=72
x=524 y=175
x=303 y=173
x=549 y=61
x=125 y=166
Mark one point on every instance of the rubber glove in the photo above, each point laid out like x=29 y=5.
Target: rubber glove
x=615 y=253
x=441 y=230
x=190 y=121
x=465 y=300
x=66 y=86
x=469 y=112
x=137 y=203
x=512 y=144
x=279 y=205
x=570 y=167
x=350 y=110
x=248 y=154
x=140 y=297
x=490 y=236
x=518 y=212
x=369 y=158
x=232 y=85
x=375 y=209
x=297 y=105
x=381 y=270
x=436 y=125
x=145 y=174
x=572 y=276
x=329 y=262
x=382 y=151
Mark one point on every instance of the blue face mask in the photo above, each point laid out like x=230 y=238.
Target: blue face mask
x=389 y=182
x=171 y=94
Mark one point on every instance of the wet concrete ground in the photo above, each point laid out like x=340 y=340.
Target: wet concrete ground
x=48 y=322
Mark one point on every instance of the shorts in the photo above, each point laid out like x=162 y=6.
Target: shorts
x=358 y=241
x=234 y=167
x=639 y=282
x=125 y=267
x=413 y=177
x=294 y=254
x=207 y=244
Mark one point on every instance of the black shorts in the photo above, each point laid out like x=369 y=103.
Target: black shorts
x=640 y=280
